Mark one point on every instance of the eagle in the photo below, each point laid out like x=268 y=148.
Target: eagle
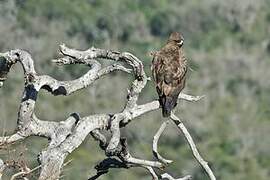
x=169 y=68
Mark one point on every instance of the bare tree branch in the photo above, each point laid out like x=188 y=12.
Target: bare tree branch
x=2 y=168
x=190 y=97
x=67 y=135
x=155 y=143
x=152 y=172
x=23 y=173
x=193 y=147
x=169 y=177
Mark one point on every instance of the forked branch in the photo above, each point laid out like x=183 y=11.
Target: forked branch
x=67 y=135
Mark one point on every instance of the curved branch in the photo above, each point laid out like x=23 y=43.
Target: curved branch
x=155 y=144
x=115 y=139
x=26 y=171
x=22 y=56
x=98 y=136
x=10 y=139
x=152 y=172
x=193 y=147
x=126 y=156
x=154 y=105
x=169 y=177
x=68 y=87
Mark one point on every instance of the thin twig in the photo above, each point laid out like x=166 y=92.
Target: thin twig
x=169 y=177
x=24 y=173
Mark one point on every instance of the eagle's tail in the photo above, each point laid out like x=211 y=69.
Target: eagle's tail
x=167 y=104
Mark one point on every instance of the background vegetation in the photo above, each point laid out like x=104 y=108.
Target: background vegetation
x=227 y=44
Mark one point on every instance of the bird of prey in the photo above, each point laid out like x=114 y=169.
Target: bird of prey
x=169 y=67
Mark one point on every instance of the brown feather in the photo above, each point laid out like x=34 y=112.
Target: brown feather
x=169 y=69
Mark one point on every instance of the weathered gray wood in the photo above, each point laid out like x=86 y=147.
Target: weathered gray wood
x=66 y=136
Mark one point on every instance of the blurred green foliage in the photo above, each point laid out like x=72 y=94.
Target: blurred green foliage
x=227 y=44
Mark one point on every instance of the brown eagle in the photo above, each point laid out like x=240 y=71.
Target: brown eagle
x=169 y=67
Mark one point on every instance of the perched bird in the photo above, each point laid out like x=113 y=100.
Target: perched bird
x=169 y=67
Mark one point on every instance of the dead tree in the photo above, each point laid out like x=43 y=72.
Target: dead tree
x=65 y=136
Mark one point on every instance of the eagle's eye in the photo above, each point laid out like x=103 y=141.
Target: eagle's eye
x=180 y=42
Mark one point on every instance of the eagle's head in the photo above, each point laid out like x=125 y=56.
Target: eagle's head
x=176 y=38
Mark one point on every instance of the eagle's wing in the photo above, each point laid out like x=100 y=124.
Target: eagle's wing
x=157 y=71
x=168 y=73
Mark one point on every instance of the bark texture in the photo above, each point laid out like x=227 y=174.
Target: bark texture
x=65 y=136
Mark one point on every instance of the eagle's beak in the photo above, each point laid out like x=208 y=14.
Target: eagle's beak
x=180 y=43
